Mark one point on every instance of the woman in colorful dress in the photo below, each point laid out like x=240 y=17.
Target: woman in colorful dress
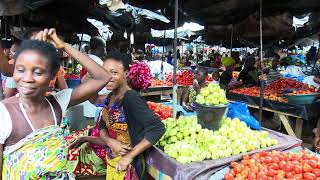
x=32 y=145
x=127 y=124
x=87 y=151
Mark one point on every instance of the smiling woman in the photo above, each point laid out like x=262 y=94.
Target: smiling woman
x=32 y=145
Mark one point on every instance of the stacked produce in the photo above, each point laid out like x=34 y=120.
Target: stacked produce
x=300 y=92
x=160 y=110
x=160 y=83
x=269 y=94
x=212 y=95
x=184 y=77
x=276 y=165
x=274 y=91
x=186 y=141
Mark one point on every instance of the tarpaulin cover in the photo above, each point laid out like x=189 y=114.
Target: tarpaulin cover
x=306 y=112
x=203 y=170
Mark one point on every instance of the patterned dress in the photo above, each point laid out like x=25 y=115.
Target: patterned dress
x=117 y=128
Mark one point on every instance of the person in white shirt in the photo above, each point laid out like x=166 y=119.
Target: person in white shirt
x=97 y=51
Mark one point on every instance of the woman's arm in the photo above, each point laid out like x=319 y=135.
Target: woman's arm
x=116 y=146
x=126 y=160
x=1 y=159
x=61 y=83
x=100 y=77
x=98 y=99
x=139 y=110
x=153 y=128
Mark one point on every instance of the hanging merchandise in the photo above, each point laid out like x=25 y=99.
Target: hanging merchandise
x=125 y=35
x=131 y=38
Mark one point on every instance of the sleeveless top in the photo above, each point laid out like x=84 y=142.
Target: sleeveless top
x=20 y=125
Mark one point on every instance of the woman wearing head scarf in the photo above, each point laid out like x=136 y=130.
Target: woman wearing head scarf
x=226 y=77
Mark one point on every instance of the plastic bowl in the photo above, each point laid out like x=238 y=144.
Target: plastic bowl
x=302 y=98
x=73 y=83
x=210 y=117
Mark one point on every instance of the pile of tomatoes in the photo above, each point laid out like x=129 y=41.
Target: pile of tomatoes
x=162 y=111
x=255 y=91
x=276 y=165
x=300 y=92
x=184 y=77
x=274 y=91
x=282 y=83
x=160 y=83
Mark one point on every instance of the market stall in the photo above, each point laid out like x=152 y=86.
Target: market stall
x=283 y=110
x=281 y=98
x=189 y=150
x=168 y=168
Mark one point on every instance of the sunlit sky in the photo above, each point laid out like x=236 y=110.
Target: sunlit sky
x=191 y=26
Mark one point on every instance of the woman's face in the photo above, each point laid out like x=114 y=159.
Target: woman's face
x=32 y=74
x=118 y=74
x=199 y=76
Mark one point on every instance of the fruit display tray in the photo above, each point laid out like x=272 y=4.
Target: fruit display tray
x=156 y=158
x=306 y=112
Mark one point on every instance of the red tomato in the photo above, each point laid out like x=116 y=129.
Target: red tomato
x=274 y=166
x=297 y=169
x=228 y=177
x=233 y=172
x=244 y=162
x=246 y=157
x=307 y=168
x=278 y=177
x=268 y=160
x=288 y=167
x=309 y=176
x=298 y=176
x=282 y=164
x=281 y=173
x=289 y=175
x=316 y=172
x=254 y=169
x=263 y=153
x=252 y=175
x=233 y=164
x=313 y=163
x=275 y=160
x=272 y=172
x=238 y=168
x=262 y=177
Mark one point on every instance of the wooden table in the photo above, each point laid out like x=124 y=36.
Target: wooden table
x=283 y=111
x=165 y=90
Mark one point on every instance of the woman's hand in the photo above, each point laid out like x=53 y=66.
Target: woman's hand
x=124 y=163
x=50 y=35
x=118 y=148
x=77 y=143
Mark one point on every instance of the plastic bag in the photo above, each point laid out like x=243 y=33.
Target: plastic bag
x=240 y=110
